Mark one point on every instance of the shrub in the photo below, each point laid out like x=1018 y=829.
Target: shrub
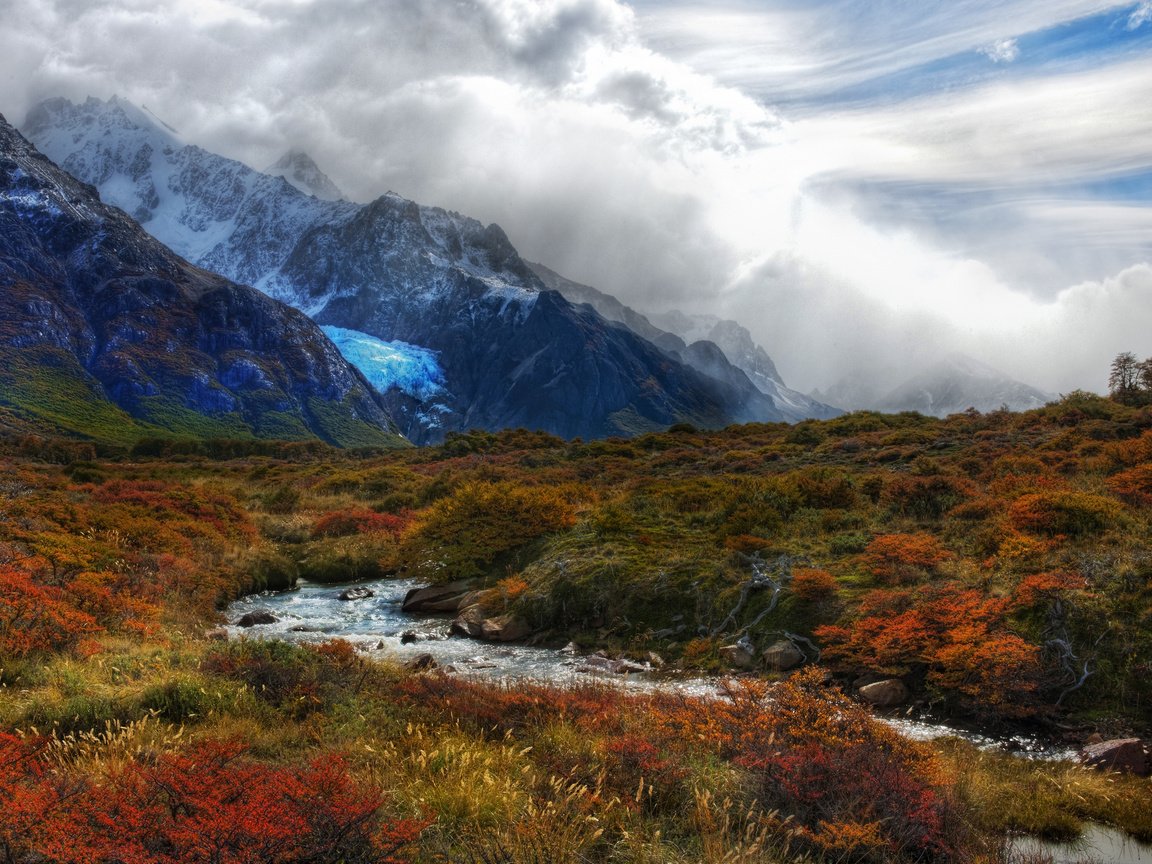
x=813 y=585
x=481 y=525
x=1062 y=512
x=900 y=558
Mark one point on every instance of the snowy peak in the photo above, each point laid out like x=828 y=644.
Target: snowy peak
x=952 y=384
x=299 y=169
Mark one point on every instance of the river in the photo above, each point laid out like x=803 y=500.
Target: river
x=314 y=613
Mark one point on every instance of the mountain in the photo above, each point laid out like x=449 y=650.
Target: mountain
x=952 y=385
x=444 y=291
x=106 y=333
x=298 y=168
x=720 y=349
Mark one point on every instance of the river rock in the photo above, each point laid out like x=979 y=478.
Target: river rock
x=885 y=694
x=624 y=667
x=782 y=656
x=253 y=619
x=596 y=663
x=655 y=660
x=738 y=655
x=422 y=663
x=1119 y=754
x=505 y=628
x=470 y=622
x=570 y=650
x=358 y=592
x=408 y=637
x=435 y=598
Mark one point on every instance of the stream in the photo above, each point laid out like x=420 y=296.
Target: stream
x=315 y=613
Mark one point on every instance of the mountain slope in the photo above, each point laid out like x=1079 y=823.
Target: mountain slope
x=105 y=332
x=510 y=352
x=720 y=349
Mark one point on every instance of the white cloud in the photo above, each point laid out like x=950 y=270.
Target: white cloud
x=1002 y=51
x=1141 y=16
x=624 y=163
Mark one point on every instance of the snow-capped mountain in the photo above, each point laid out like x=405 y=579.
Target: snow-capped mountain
x=509 y=352
x=719 y=348
x=299 y=169
x=105 y=332
x=954 y=384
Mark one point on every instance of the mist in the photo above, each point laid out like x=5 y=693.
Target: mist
x=861 y=196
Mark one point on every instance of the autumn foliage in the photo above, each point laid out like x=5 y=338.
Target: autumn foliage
x=206 y=804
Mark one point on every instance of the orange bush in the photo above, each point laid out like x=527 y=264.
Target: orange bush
x=1063 y=512
x=37 y=618
x=813 y=585
x=1133 y=486
x=898 y=558
x=958 y=638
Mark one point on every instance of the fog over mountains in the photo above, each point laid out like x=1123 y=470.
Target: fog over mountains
x=483 y=341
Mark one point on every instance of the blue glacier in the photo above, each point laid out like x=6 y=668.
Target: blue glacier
x=412 y=369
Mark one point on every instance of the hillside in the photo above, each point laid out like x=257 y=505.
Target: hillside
x=107 y=334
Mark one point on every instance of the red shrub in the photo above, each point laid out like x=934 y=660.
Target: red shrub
x=900 y=558
x=342 y=523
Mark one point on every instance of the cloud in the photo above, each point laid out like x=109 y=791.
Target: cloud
x=1002 y=51
x=635 y=148
x=1142 y=15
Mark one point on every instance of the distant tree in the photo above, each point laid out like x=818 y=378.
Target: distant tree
x=1124 y=376
x=1130 y=380
x=1145 y=375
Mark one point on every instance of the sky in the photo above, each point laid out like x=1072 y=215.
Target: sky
x=865 y=184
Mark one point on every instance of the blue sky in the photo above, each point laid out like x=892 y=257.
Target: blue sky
x=865 y=184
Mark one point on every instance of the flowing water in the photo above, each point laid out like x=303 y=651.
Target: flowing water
x=315 y=613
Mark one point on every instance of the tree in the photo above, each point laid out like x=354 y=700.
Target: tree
x=1129 y=379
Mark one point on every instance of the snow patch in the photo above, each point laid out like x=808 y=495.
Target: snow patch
x=410 y=368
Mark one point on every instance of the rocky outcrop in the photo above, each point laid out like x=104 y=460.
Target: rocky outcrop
x=1120 y=754
x=884 y=694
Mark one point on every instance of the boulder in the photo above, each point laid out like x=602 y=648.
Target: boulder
x=435 y=598
x=253 y=619
x=422 y=663
x=505 y=628
x=624 y=667
x=408 y=637
x=470 y=622
x=1119 y=754
x=782 y=656
x=358 y=592
x=885 y=694
x=738 y=655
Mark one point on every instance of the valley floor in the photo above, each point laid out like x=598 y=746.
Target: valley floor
x=996 y=565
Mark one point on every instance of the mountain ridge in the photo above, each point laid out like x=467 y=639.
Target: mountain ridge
x=512 y=353
x=105 y=330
